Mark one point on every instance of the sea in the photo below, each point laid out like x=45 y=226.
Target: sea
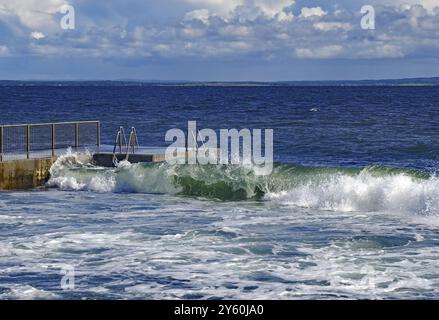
x=350 y=210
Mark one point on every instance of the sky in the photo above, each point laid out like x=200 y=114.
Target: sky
x=218 y=40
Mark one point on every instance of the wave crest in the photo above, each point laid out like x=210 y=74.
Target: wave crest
x=342 y=189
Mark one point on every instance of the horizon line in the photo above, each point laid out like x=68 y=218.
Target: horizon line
x=217 y=81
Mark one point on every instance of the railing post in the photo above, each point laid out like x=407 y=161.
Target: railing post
x=53 y=140
x=1 y=143
x=76 y=135
x=28 y=141
x=120 y=140
x=98 y=135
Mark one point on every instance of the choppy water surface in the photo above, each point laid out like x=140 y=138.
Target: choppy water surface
x=351 y=209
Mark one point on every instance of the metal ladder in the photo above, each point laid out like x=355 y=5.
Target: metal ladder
x=121 y=144
x=133 y=143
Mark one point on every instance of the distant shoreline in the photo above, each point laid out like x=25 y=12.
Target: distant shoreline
x=418 y=82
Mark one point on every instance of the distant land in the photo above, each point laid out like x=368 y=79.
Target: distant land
x=129 y=82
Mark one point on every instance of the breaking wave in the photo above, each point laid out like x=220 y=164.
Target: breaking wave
x=374 y=188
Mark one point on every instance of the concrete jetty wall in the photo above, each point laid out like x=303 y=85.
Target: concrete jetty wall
x=24 y=174
x=32 y=173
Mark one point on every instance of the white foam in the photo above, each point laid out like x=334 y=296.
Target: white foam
x=27 y=292
x=162 y=247
x=75 y=172
x=365 y=192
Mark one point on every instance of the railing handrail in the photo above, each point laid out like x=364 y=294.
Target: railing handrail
x=48 y=123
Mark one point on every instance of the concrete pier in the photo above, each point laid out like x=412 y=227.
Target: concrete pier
x=106 y=159
x=24 y=174
x=27 y=151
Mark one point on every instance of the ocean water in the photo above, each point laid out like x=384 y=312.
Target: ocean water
x=350 y=211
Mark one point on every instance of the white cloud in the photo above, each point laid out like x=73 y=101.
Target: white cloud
x=192 y=32
x=285 y=17
x=389 y=51
x=235 y=31
x=37 y=35
x=330 y=51
x=222 y=7
x=272 y=7
x=256 y=28
x=201 y=15
x=428 y=4
x=333 y=26
x=225 y=8
x=381 y=51
x=4 y=51
x=33 y=14
x=309 y=12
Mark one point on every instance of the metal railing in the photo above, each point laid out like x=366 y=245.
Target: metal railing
x=121 y=143
x=43 y=139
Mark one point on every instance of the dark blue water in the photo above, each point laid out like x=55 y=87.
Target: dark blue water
x=342 y=126
x=316 y=231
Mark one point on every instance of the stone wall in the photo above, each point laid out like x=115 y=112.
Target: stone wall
x=24 y=174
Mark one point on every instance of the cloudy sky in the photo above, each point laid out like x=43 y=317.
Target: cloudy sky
x=218 y=40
